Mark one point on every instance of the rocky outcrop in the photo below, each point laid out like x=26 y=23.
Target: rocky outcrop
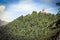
x=2 y=22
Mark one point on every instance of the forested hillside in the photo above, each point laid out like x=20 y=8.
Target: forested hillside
x=33 y=26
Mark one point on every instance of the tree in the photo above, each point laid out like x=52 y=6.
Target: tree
x=58 y=4
x=34 y=13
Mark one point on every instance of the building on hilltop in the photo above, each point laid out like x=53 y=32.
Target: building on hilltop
x=44 y=11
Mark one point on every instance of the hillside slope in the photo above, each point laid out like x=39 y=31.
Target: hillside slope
x=30 y=27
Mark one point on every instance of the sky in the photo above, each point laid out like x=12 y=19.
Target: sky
x=12 y=9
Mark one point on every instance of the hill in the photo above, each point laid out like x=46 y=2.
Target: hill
x=30 y=27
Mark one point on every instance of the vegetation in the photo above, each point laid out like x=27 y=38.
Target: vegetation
x=30 y=27
x=58 y=4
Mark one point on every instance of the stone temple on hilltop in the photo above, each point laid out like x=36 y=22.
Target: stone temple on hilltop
x=44 y=11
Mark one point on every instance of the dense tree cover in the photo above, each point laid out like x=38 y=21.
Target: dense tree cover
x=30 y=27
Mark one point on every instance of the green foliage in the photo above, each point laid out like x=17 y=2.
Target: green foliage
x=34 y=14
x=31 y=27
x=58 y=3
x=58 y=14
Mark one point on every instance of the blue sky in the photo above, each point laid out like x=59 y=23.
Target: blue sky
x=16 y=8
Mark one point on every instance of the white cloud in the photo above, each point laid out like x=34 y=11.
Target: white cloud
x=15 y=10
x=2 y=8
x=23 y=8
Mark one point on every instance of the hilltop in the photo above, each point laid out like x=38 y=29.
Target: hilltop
x=30 y=27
